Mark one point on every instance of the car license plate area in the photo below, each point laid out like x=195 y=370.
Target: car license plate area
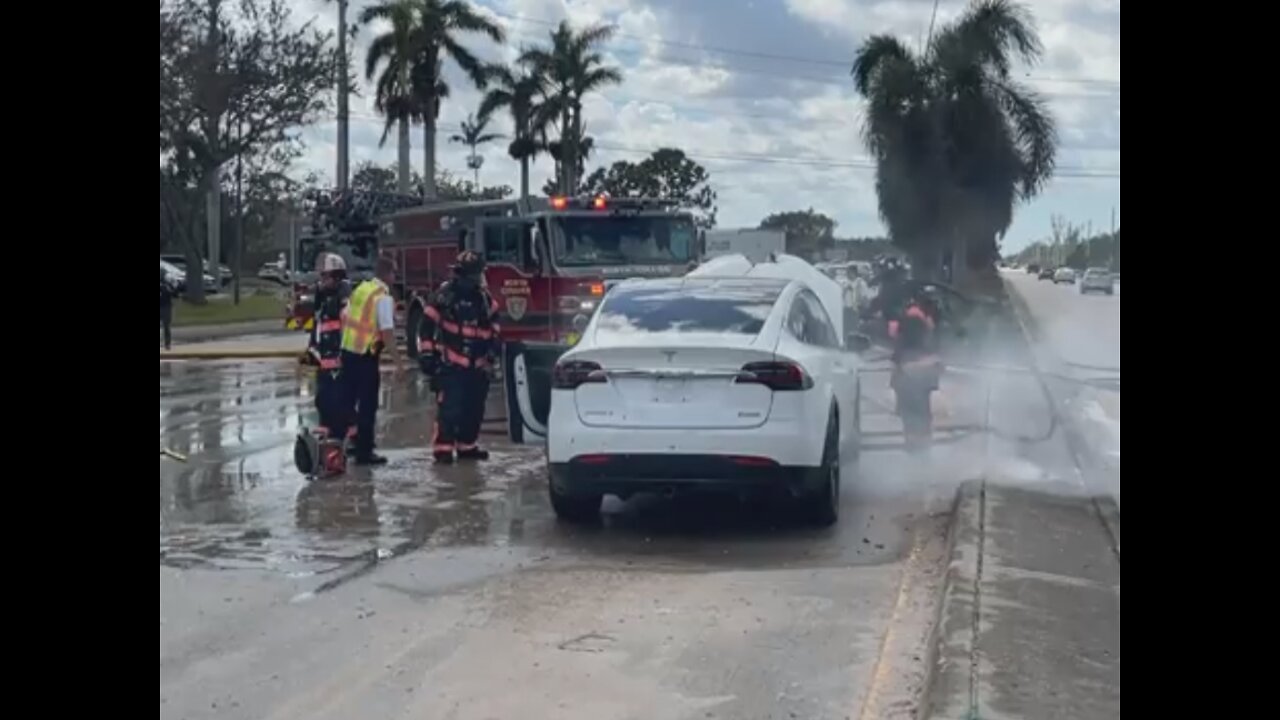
x=667 y=391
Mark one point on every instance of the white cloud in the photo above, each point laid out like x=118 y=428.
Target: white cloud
x=728 y=109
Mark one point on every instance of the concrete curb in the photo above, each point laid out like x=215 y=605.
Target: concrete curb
x=228 y=354
x=949 y=655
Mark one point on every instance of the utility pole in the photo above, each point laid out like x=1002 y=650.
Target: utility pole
x=344 y=111
x=237 y=252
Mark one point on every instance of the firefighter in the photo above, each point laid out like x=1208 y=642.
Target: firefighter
x=324 y=350
x=917 y=369
x=458 y=344
x=368 y=331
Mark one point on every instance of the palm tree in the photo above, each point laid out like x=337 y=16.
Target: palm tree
x=957 y=141
x=439 y=23
x=473 y=135
x=393 y=91
x=571 y=68
x=519 y=92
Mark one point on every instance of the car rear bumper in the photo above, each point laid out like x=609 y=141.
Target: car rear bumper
x=786 y=442
x=627 y=474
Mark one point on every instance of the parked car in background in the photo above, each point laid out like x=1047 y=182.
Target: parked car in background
x=274 y=270
x=1046 y=273
x=1064 y=275
x=1033 y=269
x=179 y=273
x=180 y=261
x=1097 y=280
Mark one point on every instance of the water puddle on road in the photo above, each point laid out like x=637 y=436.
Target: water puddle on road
x=238 y=502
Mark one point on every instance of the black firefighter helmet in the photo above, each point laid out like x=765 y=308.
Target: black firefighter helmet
x=469 y=263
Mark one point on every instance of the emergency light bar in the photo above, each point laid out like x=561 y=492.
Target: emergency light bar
x=605 y=202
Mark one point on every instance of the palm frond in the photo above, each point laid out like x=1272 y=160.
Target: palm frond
x=463 y=16
x=1035 y=135
x=470 y=64
x=875 y=54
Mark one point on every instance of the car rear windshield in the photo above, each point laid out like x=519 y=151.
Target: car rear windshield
x=688 y=307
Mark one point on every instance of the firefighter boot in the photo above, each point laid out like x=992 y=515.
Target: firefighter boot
x=443 y=457
x=472 y=452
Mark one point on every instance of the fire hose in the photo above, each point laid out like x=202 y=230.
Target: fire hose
x=958 y=431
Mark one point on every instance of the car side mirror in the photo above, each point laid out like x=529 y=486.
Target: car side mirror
x=533 y=251
x=857 y=342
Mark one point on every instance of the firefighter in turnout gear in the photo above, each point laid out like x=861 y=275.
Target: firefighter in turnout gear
x=458 y=342
x=368 y=331
x=320 y=451
x=324 y=349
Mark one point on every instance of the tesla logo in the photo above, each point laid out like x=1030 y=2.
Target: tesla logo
x=670 y=354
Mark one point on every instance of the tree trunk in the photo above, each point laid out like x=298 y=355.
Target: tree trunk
x=524 y=178
x=212 y=195
x=566 y=131
x=402 y=159
x=575 y=143
x=429 y=150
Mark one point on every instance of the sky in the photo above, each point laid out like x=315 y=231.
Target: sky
x=758 y=92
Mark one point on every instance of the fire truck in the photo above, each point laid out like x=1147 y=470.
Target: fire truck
x=345 y=223
x=548 y=260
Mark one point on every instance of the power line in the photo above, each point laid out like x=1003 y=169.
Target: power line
x=848 y=124
x=798 y=161
x=821 y=80
x=828 y=62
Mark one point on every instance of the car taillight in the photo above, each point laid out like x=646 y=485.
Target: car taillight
x=775 y=375
x=569 y=375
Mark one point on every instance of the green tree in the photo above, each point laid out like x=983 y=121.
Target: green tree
x=957 y=141
x=808 y=232
x=667 y=173
x=440 y=22
x=519 y=92
x=370 y=177
x=452 y=188
x=473 y=135
x=232 y=84
x=571 y=68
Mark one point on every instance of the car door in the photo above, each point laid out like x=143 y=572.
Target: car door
x=526 y=380
x=820 y=334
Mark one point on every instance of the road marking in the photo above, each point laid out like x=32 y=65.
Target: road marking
x=880 y=674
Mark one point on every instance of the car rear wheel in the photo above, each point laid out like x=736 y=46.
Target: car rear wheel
x=576 y=509
x=823 y=506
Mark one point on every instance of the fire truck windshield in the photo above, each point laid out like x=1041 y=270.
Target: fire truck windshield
x=358 y=251
x=588 y=240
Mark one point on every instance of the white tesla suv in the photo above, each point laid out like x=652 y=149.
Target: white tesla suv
x=731 y=383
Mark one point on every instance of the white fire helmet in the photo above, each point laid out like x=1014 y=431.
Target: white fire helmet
x=331 y=262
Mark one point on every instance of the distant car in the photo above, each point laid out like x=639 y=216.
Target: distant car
x=274 y=270
x=224 y=272
x=177 y=272
x=702 y=382
x=1097 y=280
x=1033 y=269
x=1045 y=273
x=1064 y=275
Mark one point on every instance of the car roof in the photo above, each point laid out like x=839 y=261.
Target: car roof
x=760 y=288
x=781 y=266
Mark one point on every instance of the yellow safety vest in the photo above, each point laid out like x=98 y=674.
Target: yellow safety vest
x=360 y=321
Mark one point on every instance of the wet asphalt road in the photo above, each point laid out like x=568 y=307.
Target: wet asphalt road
x=412 y=591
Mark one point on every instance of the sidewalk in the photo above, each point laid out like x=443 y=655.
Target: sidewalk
x=260 y=346
x=1029 y=626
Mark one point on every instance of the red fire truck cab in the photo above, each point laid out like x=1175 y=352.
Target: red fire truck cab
x=548 y=260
